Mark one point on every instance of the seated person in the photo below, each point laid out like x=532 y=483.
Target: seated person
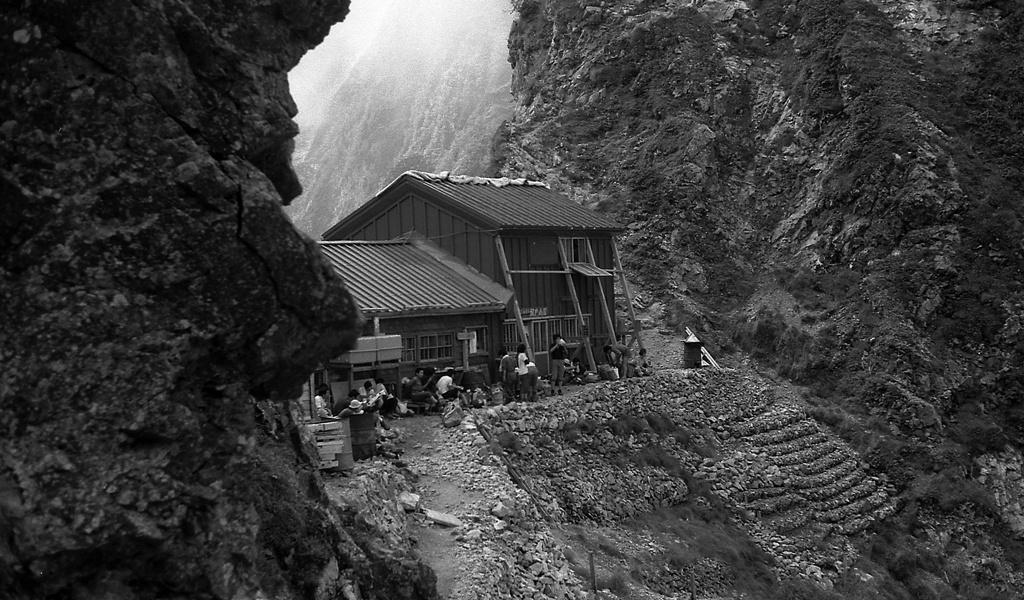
x=446 y=387
x=574 y=372
x=372 y=394
x=355 y=407
x=643 y=364
x=321 y=405
x=478 y=397
x=342 y=404
x=418 y=393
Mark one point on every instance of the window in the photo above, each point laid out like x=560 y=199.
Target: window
x=409 y=349
x=540 y=331
x=482 y=346
x=510 y=335
x=576 y=250
x=436 y=347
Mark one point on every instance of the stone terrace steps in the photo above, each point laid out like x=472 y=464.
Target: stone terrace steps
x=834 y=457
x=782 y=449
x=796 y=461
x=828 y=476
x=824 y=481
x=778 y=504
x=762 y=493
x=859 y=508
x=768 y=421
x=829 y=489
x=850 y=495
x=780 y=436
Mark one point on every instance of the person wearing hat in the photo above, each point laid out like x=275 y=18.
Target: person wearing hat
x=557 y=355
x=355 y=407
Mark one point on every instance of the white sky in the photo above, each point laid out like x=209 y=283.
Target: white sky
x=383 y=31
x=342 y=47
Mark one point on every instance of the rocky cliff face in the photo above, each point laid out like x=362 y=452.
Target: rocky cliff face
x=426 y=95
x=859 y=151
x=829 y=186
x=159 y=310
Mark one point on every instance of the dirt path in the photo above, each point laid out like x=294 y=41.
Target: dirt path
x=437 y=544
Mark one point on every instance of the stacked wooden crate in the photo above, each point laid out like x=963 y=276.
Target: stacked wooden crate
x=334 y=443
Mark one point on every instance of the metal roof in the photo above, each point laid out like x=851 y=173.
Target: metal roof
x=399 y=277
x=512 y=203
x=589 y=270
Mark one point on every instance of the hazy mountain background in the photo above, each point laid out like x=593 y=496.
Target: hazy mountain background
x=399 y=85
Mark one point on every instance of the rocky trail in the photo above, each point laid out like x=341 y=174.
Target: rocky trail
x=480 y=532
x=689 y=483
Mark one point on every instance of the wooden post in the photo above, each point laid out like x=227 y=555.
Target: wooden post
x=593 y=575
x=515 y=301
x=604 y=300
x=465 y=336
x=629 y=301
x=576 y=305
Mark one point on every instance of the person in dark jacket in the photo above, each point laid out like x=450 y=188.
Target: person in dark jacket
x=557 y=354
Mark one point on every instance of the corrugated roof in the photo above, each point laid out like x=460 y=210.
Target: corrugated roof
x=398 y=277
x=513 y=203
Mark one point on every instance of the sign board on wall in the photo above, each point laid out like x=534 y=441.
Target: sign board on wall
x=469 y=336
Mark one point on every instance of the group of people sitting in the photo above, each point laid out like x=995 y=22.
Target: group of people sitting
x=431 y=392
x=621 y=357
x=371 y=397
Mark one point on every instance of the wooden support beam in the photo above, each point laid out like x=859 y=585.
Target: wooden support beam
x=576 y=305
x=515 y=300
x=604 y=300
x=629 y=300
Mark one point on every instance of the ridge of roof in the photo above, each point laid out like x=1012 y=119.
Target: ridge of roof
x=447 y=177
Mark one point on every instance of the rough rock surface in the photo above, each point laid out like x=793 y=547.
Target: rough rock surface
x=158 y=309
x=619 y=449
x=827 y=186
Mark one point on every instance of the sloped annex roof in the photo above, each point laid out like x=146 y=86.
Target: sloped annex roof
x=494 y=203
x=411 y=277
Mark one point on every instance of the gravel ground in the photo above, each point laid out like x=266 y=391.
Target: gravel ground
x=503 y=548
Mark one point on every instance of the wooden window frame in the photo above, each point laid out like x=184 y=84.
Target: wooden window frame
x=435 y=346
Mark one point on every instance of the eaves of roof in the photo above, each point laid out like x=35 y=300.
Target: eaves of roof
x=398 y=278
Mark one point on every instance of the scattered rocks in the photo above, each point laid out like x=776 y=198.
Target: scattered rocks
x=442 y=518
x=408 y=501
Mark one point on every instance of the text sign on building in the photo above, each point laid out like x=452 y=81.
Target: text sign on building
x=541 y=311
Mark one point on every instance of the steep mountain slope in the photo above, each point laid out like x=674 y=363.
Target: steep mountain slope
x=445 y=78
x=831 y=186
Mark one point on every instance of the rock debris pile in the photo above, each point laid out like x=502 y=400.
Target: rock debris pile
x=622 y=448
x=503 y=548
x=614 y=450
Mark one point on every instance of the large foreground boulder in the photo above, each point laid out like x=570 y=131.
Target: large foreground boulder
x=157 y=310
